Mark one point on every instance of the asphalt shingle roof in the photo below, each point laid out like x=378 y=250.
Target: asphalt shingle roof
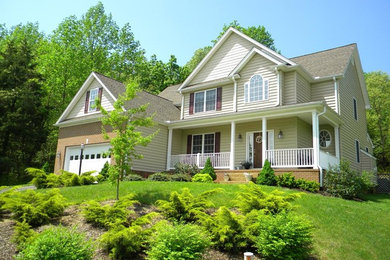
x=172 y=94
x=162 y=109
x=328 y=62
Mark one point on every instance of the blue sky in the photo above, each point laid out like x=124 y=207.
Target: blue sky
x=180 y=27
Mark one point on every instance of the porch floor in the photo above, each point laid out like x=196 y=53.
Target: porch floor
x=237 y=176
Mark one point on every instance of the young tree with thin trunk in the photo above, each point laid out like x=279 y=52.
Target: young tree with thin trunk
x=125 y=124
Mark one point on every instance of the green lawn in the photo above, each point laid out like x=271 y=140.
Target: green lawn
x=343 y=229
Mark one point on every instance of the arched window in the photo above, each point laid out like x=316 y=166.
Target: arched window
x=256 y=89
x=325 y=138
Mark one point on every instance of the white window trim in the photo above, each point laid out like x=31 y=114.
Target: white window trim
x=90 y=100
x=270 y=146
x=203 y=134
x=249 y=91
x=357 y=151
x=355 y=112
x=204 y=100
x=330 y=138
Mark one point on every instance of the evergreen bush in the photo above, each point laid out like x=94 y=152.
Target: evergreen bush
x=202 y=177
x=23 y=234
x=310 y=186
x=58 y=243
x=209 y=169
x=286 y=180
x=266 y=175
x=159 y=176
x=134 y=177
x=181 y=241
x=180 y=177
x=190 y=169
x=104 y=171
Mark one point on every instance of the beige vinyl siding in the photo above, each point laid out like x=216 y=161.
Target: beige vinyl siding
x=223 y=129
x=224 y=60
x=351 y=129
x=155 y=153
x=227 y=103
x=304 y=134
x=331 y=148
x=303 y=89
x=78 y=109
x=289 y=89
x=367 y=162
x=264 y=67
x=324 y=91
x=287 y=125
x=176 y=141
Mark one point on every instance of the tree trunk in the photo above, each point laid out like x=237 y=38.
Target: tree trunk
x=117 y=188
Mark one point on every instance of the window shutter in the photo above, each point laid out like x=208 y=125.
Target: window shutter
x=86 y=103
x=217 y=141
x=100 y=97
x=189 y=144
x=246 y=92
x=219 y=99
x=266 y=89
x=191 y=109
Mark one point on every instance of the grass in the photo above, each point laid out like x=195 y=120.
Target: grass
x=343 y=229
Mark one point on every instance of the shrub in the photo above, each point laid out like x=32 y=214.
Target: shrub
x=100 y=178
x=87 y=180
x=180 y=177
x=58 y=243
x=227 y=230
x=46 y=167
x=284 y=236
x=66 y=178
x=368 y=181
x=159 y=176
x=133 y=177
x=107 y=215
x=53 y=181
x=209 y=169
x=202 y=177
x=310 y=186
x=23 y=234
x=342 y=181
x=190 y=169
x=182 y=241
x=36 y=208
x=75 y=180
x=39 y=177
x=266 y=175
x=251 y=197
x=186 y=207
x=104 y=171
x=286 y=180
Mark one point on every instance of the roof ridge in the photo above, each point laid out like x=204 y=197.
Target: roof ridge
x=339 y=47
x=157 y=96
x=108 y=77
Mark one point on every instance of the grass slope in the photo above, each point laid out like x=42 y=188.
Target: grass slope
x=343 y=229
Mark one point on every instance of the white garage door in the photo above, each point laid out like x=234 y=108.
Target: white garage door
x=94 y=158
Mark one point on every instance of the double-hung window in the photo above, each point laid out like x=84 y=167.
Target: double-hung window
x=205 y=100
x=203 y=143
x=93 y=94
x=256 y=89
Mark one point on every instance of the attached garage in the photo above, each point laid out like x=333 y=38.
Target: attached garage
x=94 y=158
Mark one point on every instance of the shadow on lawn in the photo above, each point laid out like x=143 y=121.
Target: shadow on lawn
x=377 y=197
x=150 y=197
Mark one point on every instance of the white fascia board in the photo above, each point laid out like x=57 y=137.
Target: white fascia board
x=361 y=78
x=80 y=120
x=247 y=58
x=207 y=84
x=104 y=86
x=205 y=59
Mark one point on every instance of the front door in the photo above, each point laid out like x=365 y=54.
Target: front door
x=257 y=150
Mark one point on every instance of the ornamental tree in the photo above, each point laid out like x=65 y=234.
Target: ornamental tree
x=125 y=123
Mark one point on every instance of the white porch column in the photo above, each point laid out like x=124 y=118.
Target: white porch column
x=169 y=151
x=337 y=141
x=264 y=140
x=315 y=129
x=232 y=144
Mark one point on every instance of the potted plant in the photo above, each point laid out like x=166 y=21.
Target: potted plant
x=226 y=177
x=246 y=164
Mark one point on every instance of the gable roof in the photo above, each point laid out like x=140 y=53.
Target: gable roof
x=163 y=109
x=171 y=93
x=231 y=30
x=326 y=63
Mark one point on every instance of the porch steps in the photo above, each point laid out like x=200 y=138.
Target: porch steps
x=237 y=176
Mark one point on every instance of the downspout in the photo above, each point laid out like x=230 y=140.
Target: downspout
x=319 y=165
x=235 y=92
x=182 y=106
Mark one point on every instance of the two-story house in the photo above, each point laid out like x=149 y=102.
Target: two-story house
x=243 y=102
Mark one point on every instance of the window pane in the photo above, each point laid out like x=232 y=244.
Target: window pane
x=210 y=99
x=209 y=143
x=71 y=157
x=256 y=88
x=92 y=156
x=86 y=156
x=98 y=156
x=197 y=144
x=199 y=102
x=266 y=89
x=92 y=97
x=76 y=157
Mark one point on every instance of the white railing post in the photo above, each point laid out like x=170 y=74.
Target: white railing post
x=169 y=151
x=232 y=144
x=198 y=160
x=264 y=140
x=315 y=128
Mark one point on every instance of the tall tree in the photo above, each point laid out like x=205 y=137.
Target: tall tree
x=22 y=115
x=258 y=33
x=127 y=136
x=378 y=117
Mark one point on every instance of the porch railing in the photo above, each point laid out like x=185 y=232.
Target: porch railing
x=218 y=160
x=297 y=157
